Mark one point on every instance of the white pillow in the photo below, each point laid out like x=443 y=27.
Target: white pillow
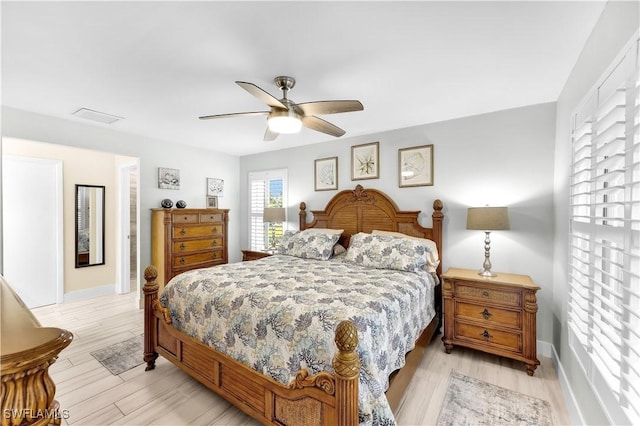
x=327 y=231
x=433 y=258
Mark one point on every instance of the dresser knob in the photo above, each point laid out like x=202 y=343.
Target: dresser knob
x=182 y=246
x=215 y=230
x=485 y=293
x=486 y=314
x=486 y=335
x=183 y=231
x=182 y=261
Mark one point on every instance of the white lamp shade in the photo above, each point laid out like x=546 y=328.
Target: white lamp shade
x=284 y=121
x=273 y=214
x=488 y=218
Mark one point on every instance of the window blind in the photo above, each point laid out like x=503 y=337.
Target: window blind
x=604 y=240
x=266 y=189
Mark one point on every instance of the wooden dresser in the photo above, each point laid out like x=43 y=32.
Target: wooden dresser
x=495 y=315
x=184 y=239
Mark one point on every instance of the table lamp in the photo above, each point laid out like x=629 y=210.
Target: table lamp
x=487 y=219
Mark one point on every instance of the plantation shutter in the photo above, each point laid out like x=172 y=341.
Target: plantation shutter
x=604 y=240
x=266 y=189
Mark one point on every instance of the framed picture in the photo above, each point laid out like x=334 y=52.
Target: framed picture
x=212 y=202
x=365 y=161
x=168 y=178
x=415 y=166
x=326 y=174
x=215 y=186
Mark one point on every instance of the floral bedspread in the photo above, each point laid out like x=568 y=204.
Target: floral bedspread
x=278 y=314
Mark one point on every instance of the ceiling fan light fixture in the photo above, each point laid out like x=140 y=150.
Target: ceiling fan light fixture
x=285 y=122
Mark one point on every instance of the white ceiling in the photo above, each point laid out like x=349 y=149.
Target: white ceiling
x=161 y=65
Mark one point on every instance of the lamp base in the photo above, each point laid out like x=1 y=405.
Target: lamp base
x=487 y=273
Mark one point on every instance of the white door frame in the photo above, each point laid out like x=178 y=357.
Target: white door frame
x=123 y=283
x=58 y=213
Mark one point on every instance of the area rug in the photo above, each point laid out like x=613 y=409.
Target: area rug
x=470 y=401
x=122 y=356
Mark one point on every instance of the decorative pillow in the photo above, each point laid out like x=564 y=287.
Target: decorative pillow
x=387 y=252
x=308 y=245
x=328 y=231
x=433 y=259
x=338 y=249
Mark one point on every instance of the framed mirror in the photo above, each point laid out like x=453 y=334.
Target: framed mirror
x=89 y=225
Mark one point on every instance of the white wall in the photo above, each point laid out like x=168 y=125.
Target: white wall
x=195 y=166
x=502 y=158
x=617 y=24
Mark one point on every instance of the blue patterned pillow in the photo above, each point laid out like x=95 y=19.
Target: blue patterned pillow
x=308 y=245
x=387 y=252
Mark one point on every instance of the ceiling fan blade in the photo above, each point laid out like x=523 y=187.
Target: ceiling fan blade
x=270 y=135
x=330 y=107
x=261 y=94
x=320 y=125
x=233 y=114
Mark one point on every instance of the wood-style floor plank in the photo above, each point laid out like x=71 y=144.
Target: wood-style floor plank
x=168 y=396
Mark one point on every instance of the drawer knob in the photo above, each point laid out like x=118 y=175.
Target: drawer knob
x=182 y=260
x=486 y=335
x=215 y=229
x=182 y=246
x=485 y=293
x=486 y=314
x=182 y=232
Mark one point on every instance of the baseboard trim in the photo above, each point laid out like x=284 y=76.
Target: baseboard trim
x=544 y=349
x=569 y=397
x=89 y=293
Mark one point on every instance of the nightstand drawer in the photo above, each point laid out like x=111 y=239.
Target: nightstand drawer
x=474 y=291
x=194 y=245
x=490 y=314
x=489 y=336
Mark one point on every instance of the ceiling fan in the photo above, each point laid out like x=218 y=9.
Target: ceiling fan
x=286 y=116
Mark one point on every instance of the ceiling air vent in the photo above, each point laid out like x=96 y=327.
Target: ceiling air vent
x=98 y=116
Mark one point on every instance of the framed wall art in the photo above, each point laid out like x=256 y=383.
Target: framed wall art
x=326 y=174
x=212 y=202
x=168 y=178
x=215 y=186
x=415 y=166
x=365 y=161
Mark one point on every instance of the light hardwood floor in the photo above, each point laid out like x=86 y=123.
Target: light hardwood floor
x=167 y=396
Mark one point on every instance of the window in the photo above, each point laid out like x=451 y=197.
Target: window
x=266 y=189
x=604 y=240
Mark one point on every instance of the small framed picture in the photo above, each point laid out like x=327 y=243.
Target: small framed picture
x=415 y=166
x=215 y=186
x=212 y=202
x=365 y=161
x=326 y=174
x=168 y=178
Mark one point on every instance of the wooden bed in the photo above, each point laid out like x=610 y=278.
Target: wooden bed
x=321 y=399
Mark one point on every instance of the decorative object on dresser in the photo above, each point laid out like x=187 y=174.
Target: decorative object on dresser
x=415 y=166
x=273 y=215
x=212 y=201
x=181 y=204
x=166 y=203
x=248 y=255
x=365 y=161
x=27 y=351
x=495 y=315
x=186 y=239
x=487 y=219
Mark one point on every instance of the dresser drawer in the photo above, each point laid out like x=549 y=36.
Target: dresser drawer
x=489 y=336
x=211 y=217
x=185 y=218
x=197 y=231
x=475 y=291
x=195 y=245
x=190 y=259
x=489 y=314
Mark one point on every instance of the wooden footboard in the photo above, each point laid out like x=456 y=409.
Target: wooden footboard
x=321 y=399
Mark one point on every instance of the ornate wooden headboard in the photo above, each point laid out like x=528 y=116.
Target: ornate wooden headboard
x=363 y=210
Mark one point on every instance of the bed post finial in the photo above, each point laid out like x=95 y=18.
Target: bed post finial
x=346 y=365
x=436 y=219
x=150 y=290
x=303 y=215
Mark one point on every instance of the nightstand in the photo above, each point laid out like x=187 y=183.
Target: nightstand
x=254 y=255
x=495 y=315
